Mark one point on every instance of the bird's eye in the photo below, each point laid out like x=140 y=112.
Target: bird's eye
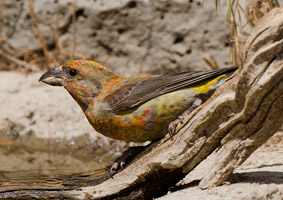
x=73 y=72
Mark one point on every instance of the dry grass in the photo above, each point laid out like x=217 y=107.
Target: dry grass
x=211 y=62
x=38 y=31
x=235 y=14
x=252 y=15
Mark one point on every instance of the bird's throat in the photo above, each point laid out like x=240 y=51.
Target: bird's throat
x=82 y=92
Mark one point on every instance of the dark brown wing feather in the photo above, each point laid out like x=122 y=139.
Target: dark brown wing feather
x=138 y=91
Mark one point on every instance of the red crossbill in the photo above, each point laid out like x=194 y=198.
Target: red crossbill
x=135 y=109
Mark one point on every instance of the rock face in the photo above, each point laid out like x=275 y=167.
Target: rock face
x=131 y=37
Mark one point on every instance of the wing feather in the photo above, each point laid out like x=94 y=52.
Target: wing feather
x=138 y=91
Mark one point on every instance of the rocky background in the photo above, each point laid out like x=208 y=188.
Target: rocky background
x=42 y=130
x=129 y=37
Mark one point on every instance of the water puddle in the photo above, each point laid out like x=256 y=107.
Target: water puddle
x=26 y=157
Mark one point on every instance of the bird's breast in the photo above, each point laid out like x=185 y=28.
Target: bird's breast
x=143 y=123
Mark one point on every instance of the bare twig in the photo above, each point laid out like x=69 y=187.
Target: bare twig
x=41 y=39
x=19 y=62
x=235 y=48
x=1 y=14
x=14 y=23
x=212 y=63
x=270 y=4
x=74 y=28
x=57 y=27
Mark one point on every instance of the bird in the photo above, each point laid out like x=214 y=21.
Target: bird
x=134 y=109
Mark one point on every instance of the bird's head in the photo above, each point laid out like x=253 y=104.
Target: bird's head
x=82 y=78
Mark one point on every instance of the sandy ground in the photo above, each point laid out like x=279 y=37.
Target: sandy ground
x=43 y=132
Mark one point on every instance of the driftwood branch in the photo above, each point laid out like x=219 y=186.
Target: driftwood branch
x=242 y=114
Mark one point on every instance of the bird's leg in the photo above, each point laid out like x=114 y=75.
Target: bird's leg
x=126 y=157
x=173 y=125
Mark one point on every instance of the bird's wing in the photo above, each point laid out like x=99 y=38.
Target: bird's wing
x=137 y=91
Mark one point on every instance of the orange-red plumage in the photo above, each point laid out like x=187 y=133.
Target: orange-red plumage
x=133 y=109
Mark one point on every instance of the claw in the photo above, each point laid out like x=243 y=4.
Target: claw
x=172 y=128
x=113 y=167
x=122 y=165
x=120 y=162
x=181 y=119
x=173 y=125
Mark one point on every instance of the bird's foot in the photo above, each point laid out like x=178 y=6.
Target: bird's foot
x=127 y=155
x=180 y=120
x=173 y=125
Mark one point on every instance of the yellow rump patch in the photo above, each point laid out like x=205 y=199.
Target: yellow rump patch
x=203 y=88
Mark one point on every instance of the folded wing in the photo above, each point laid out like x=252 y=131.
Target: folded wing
x=135 y=92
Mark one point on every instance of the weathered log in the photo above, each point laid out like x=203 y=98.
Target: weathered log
x=241 y=115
